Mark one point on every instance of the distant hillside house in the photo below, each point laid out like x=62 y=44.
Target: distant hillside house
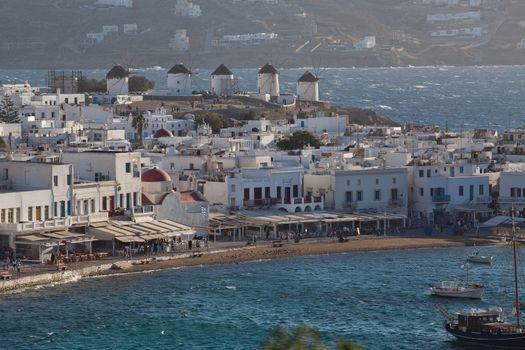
x=180 y=41
x=184 y=8
x=115 y=3
x=130 y=28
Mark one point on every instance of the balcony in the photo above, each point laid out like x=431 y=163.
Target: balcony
x=306 y=204
x=89 y=218
x=259 y=203
x=441 y=198
x=395 y=203
x=511 y=200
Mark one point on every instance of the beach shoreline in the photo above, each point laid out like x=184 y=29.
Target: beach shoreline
x=220 y=255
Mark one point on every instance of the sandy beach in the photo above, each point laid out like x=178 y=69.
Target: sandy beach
x=231 y=253
x=265 y=250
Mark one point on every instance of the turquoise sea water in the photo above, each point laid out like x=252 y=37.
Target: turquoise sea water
x=379 y=299
x=458 y=97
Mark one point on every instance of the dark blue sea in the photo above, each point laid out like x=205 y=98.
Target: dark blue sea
x=379 y=299
x=458 y=97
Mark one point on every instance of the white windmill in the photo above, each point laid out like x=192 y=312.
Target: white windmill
x=222 y=81
x=268 y=81
x=117 y=81
x=179 y=80
x=308 y=87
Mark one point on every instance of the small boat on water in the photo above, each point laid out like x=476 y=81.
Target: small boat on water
x=476 y=258
x=454 y=289
x=488 y=327
x=484 y=327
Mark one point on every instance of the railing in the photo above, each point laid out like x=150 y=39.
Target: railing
x=441 y=198
x=396 y=203
x=92 y=217
x=519 y=200
x=482 y=200
x=260 y=202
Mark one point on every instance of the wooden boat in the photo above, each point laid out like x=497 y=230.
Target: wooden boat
x=488 y=327
x=476 y=258
x=454 y=289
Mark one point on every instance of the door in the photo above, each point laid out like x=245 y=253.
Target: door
x=471 y=192
x=287 y=194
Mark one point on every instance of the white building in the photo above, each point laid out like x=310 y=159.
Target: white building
x=179 y=80
x=95 y=37
x=437 y=189
x=161 y=124
x=361 y=189
x=222 y=81
x=268 y=81
x=180 y=41
x=117 y=81
x=109 y=29
x=114 y=178
x=185 y=8
x=368 y=42
x=115 y=3
x=308 y=87
x=130 y=28
x=512 y=191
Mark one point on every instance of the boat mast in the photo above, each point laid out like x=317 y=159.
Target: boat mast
x=515 y=271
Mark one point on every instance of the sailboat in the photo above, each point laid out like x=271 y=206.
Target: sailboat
x=488 y=327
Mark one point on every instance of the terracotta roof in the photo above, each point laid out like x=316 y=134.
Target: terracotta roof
x=268 y=69
x=308 y=77
x=155 y=175
x=162 y=133
x=190 y=196
x=179 y=68
x=146 y=200
x=222 y=70
x=117 y=72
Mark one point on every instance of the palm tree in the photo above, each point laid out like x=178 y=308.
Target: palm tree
x=302 y=338
x=139 y=123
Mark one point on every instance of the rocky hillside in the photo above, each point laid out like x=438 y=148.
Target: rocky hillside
x=71 y=34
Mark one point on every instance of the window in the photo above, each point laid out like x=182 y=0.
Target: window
x=232 y=187
x=358 y=182
x=394 y=194
x=2 y=216
x=55 y=180
x=128 y=168
x=428 y=172
x=421 y=173
x=481 y=190
x=69 y=179
x=267 y=192
x=348 y=182
x=295 y=191
x=461 y=191
x=46 y=212
x=135 y=198
x=30 y=214
x=377 y=195
x=377 y=181
x=421 y=191
x=394 y=180
x=128 y=201
x=348 y=196
x=246 y=194
x=104 y=203
x=461 y=169
x=359 y=195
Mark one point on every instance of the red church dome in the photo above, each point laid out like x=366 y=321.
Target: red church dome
x=162 y=133
x=155 y=175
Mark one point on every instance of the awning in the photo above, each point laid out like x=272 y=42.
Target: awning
x=128 y=239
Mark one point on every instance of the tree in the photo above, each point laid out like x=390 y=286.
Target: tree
x=137 y=83
x=302 y=338
x=8 y=111
x=298 y=140
x=139 y=123
x=91 y=85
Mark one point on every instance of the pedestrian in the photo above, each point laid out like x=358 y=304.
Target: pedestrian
x=190 y=243
x=18 y=266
